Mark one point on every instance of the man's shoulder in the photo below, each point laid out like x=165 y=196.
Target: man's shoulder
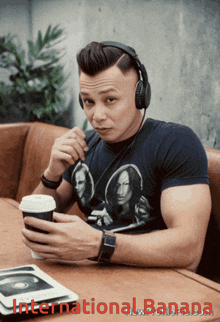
x=160 y=137
x=162 y=129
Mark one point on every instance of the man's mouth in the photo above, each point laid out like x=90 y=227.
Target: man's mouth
x=102 y=129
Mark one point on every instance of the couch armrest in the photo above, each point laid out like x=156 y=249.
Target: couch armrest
x=12 y=140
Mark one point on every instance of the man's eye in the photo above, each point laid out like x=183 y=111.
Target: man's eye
x=110 y=99
x=88 y=101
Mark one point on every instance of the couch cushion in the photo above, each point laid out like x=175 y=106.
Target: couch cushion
x=12 y=139
x=37 y=149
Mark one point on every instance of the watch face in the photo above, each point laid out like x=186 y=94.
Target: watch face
x=109 y=240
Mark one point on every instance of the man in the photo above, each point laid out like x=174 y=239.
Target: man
x=169 y=159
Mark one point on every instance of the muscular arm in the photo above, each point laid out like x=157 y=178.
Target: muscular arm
x=186 y=212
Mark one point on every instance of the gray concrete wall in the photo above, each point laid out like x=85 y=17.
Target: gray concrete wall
x=177 y=40
x=15 y=19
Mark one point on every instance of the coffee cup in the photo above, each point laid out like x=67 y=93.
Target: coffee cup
x=38 y=206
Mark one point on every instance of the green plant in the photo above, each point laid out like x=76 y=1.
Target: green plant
x=36 y=78
x=85 y=125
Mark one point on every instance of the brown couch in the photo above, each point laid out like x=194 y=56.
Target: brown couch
x=25 y=151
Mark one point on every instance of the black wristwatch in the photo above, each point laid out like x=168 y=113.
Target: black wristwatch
x=50 y=184
x=108 y=246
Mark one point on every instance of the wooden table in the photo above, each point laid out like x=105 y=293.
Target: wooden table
x=100 y=283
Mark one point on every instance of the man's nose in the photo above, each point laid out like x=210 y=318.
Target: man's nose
x=99 y=113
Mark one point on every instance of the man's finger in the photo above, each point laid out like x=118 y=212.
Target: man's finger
x=82 y=143
x=36 y=247
x=62 y=218
x=34 y=236
x=80 y=132
x=39 y=223
x=75 y=131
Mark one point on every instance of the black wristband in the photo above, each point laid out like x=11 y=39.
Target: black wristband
x=50 y=184
x=108 y=246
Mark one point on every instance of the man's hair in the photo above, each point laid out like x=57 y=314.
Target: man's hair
x=96 y=57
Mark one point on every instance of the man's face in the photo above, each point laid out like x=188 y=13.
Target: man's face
x=109 y=103
x=80 y=180
x=123 y=191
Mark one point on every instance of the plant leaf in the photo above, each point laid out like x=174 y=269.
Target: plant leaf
x=47 y=35
x=85 y=124
x=39 y=41
x=55 y=33
x=32 y=48
x=39 y=111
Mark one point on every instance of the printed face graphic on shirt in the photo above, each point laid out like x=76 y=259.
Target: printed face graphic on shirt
x=80 y=179
x=123 y=203
x=122 y=189
x=83 y=183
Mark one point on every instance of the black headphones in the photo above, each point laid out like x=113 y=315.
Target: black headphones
x=143 y=90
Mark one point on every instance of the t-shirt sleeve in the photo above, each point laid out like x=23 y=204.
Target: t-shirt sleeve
x=183 y=159
x=67 y=174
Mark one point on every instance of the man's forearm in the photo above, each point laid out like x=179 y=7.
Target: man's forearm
x=41 y=189
x=166 y=248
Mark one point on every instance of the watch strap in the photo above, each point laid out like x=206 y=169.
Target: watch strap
x=50 y=184
x=108 y=246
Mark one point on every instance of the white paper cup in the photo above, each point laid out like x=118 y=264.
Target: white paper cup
x=38 y=206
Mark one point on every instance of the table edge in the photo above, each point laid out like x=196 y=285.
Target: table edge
x=198 y=278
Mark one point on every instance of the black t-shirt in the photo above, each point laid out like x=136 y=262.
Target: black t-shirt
x=119 y=185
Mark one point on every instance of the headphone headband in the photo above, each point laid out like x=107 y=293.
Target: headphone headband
x=123 y=47
x=133 y=54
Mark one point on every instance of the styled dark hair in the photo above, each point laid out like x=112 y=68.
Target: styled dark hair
x=96 y=57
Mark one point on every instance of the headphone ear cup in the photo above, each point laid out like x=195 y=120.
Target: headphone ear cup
x=139 y=94
x=142 y=96
x=80 y=101
x=147 y=96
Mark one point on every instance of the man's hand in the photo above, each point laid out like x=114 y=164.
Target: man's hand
x=69 y=238
x=65 y=152
x=103 y=216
